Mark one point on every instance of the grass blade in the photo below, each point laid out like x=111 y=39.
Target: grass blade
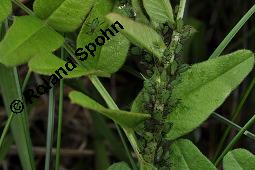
x=60 y=115
x=50 y=129
x=11 y=90
x=232 y=33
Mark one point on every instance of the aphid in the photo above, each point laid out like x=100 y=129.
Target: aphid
x=123 y=2
x=182 y=68
x=136 y=51
x=93 y=26
x=156 y=45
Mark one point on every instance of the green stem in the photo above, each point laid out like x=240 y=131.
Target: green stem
x=50 y=129
x=111 y=104
x=60 y=118
x=235 y=139
x=26 y=80
x=230 y=123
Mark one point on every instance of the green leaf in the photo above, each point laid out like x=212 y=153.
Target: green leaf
x=184 y=155
x=48 y=63
x=204 y=87
x=139 y=34
x=160 y=11
x=239 y=159
x=63 y=15
x=119 y=166
x=95 y=21
x=111 y=56
x=124 y=118
x=27 y=37
x=5 y=9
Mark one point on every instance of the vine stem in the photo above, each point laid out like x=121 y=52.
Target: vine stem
x=235 y=139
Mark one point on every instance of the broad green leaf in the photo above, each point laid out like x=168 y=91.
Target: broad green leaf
x=63 y=15
x=113 y=54
x=48 y=63
x=27 y=37
x=5 y=9
x=184 y=155
x=94 y=22
x=160 y=11
x=239 y=159
x=204 y=87
x=110 y=56
x=139 y=34
x=124 y=118
x=119 y=166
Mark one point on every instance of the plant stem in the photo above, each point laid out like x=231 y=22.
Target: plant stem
x=50 y=129
x=60 y=117
x=26 y=80
x=230 y=123
x=111 y=104
x=235 y=139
